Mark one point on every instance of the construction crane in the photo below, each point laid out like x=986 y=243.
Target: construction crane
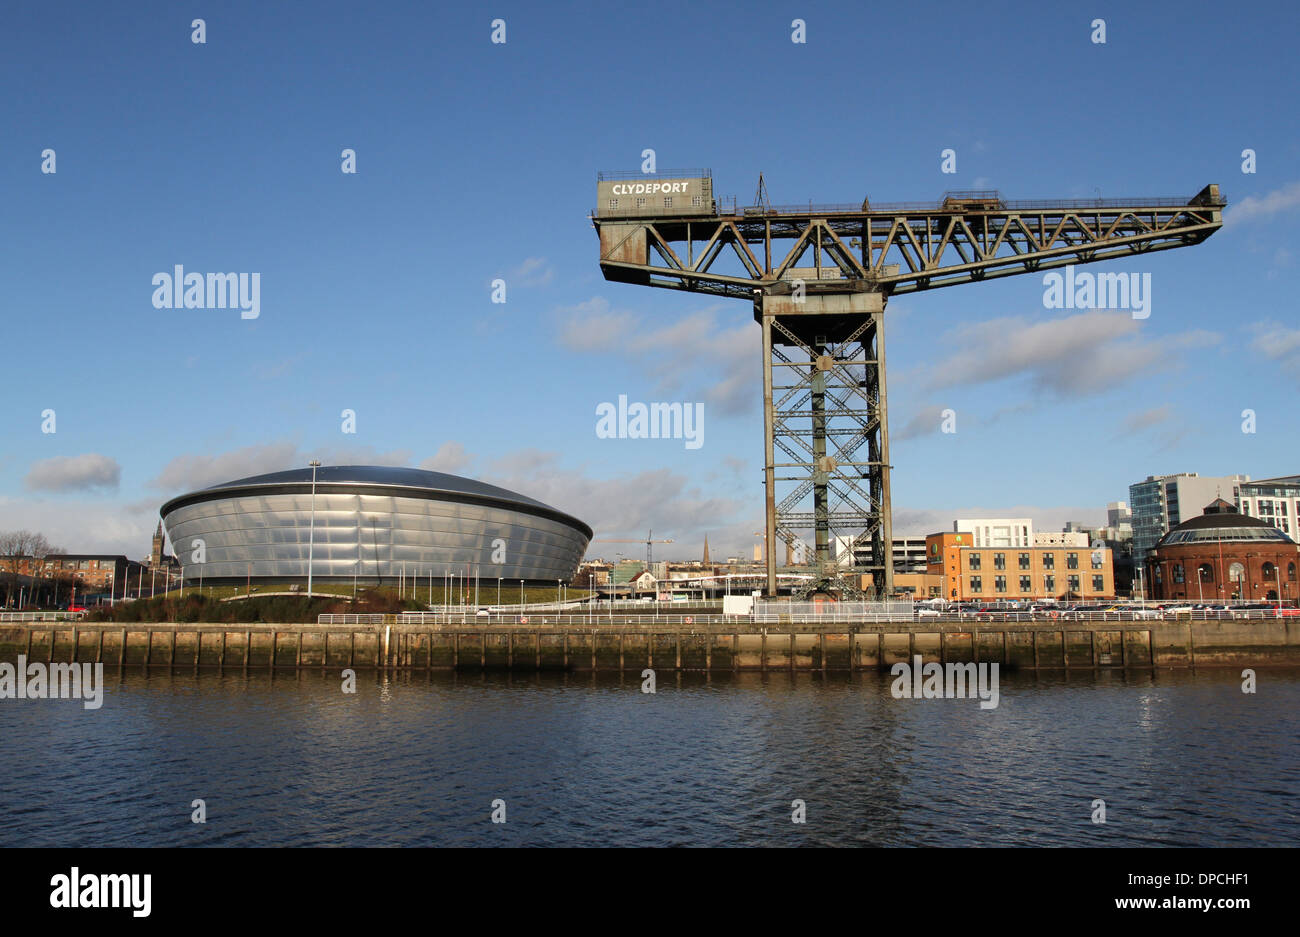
x=648 y=546
x=819 y=277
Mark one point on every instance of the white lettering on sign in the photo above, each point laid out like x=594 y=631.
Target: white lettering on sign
x=649 y=188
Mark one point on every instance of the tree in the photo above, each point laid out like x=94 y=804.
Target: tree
x=15 y=547
x=23 y=546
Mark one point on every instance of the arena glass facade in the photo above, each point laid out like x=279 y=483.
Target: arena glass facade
x=372 y=523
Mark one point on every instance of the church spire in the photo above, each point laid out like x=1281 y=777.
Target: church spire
x=705 y=561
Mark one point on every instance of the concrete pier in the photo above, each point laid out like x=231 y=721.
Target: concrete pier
x=636 y=645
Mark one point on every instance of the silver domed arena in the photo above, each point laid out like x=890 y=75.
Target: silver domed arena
x=371 y=523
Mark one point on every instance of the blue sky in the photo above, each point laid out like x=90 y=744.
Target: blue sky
x=477 y=161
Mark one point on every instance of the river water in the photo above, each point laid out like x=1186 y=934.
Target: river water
x=1179 y=758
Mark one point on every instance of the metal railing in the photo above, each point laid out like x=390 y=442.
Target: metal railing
x=895 y=610
x=609 y=176
x=42 y=616
x=776 y=617
x=1035 y=204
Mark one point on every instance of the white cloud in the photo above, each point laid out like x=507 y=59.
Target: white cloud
x=1086 y=353
x=451 y=457
x=83 y=527
x=1284 y=199
x=188 y=472
x=677 y=354
x=1146 y=419
x=625 y=507
x=74 y=473
x=926 y=421
x=534 y=271
x=1279 y=343
x=191 y=472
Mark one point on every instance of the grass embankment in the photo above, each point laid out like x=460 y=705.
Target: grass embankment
x=230 y=603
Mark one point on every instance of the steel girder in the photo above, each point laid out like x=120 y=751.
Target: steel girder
x=894 y=251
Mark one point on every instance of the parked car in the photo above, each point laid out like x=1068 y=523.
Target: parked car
x=1252 y=610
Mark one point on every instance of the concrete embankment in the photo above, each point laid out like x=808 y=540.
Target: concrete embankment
x=641 y=643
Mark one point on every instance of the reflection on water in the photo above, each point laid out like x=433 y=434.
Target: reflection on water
x=1180 y=759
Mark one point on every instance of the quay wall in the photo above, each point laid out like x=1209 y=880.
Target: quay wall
x=638 y=644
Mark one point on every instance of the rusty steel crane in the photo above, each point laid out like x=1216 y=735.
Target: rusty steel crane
x=819 y=278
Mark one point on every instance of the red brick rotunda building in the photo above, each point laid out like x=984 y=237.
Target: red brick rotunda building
x=1223 y=555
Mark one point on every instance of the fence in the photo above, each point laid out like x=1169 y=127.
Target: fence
x=834 y=611
x=41 y=616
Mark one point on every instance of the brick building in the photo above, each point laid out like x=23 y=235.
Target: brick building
x=1018 y=572
x=1223 y=554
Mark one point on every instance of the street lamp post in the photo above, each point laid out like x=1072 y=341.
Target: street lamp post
x=311 y=534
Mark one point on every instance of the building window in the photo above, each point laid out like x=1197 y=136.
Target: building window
x=1025 y=585
x=1024 y=560
x=1049 y=584
x=999 y=561
x=613 y=203
x=1098 y=583
x=1096 y=559
x=1049 y=561
x=1206 y=572
x=668 y=202
x=1290 y=571
x=697 y=201
x=1178 y=572
x=1269 y=571
x=974 y=561
x=976 y=584
x=640 y=203
x=1072 y=561
x=1072 y=583
x=999 y=583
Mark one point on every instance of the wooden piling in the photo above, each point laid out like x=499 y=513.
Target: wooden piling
x=72 y=659
x=99 y=647
x=121 y=651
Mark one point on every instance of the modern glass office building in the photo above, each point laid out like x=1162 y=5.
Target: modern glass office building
x=371 y=523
